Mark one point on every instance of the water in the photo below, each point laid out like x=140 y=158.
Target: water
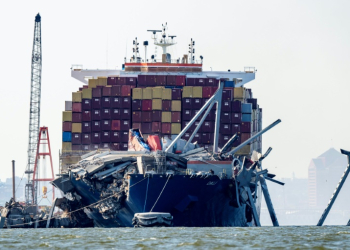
x=328 y=237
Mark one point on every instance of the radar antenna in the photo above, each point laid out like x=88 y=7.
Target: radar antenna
x=165 y=41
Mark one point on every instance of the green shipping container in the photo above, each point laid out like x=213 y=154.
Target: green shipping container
x=76 y=96
x=187 y=92
x=137 y=94
x=166 y=116
x=175 y=105
x=87 y=94
x=67 y=116
x=166 y=94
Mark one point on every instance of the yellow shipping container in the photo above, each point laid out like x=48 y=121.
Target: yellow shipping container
x=166 y=94
x=197 y=92
x=66 y=146
x=175 y=105
x=67 y=116
x=147 y=94
x=239 y=93
x=166 y=116
x=76 y=127
x=175 y=128
x=157 y=104
x=76 y=96
x=87 y=94
x=157 y=92
x=102 y=81
x=187 y=92
x=137 y=94
x=244 y=151
x=93 y=83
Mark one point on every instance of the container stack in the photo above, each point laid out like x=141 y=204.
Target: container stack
x=102 y=112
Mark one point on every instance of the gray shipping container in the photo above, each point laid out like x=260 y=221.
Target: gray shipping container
x=68 y=106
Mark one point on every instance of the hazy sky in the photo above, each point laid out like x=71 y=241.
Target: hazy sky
x=300 y=48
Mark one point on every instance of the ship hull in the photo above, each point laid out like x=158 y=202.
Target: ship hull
x=193 y=202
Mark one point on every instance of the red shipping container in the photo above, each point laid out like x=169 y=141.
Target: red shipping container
x=121 y=80
x=207 y=92
x=125 y=125
x=156 y=116
x=208 y=127
x=176 y=94
x=86 y=116
x=227 y=94
x=187 y=115
x=115 y=114
x=106 y=102
x=225 y=129
x=76 y=107
x=86 y=127
x=106 y=125
x=245 y=136
x=136 y=125
x=160 y=80
x=235 y=129
x=136 y=116
x=115 y=146
x=96 y=138
x=115 y=125
x=95 y=146
x=67 y=126
x=166 y=105
x=76 y=138
x=236 y=106
x=126 y=90
x=154 y=142
x=166 y=128
x=180 y=80
x=146 y=127
x=105 y=114
x=97 y=92
x=136 y=105
x=126 y=102
x=131 y=81
x=245 y=127
x=146 y=116
x=76 y=147
x=106 y=91
x=156 y=127
x=96 y=115
x=151 y=80
x=212 y=82
x=116 y=90
x=77 y=117
x=125 y=114
x=197 y=138
x=236 y=118
x=86 y=139
x=197 y=103
x=176 y=116
x=116 y=102
x=96 y=126
x=171 y=80
x=96 y=103
x=226 y=106
x=187 y=103
x=208 y=138
x=124 y=136
x=111 y=80
x=106 y=137
x=146 y=105
x=225 y=117
x=86 y=104
x=115 y=136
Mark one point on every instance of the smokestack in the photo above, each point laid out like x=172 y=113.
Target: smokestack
x=13 y=181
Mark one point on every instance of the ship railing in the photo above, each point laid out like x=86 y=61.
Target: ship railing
x=76 y=67
x=249 y=69
x=171 y=61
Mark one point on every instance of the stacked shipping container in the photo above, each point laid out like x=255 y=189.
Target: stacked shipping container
x=101 y=114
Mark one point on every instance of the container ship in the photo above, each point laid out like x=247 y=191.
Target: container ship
x=129 y=147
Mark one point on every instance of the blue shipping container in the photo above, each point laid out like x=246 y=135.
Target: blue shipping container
x=229 y=84
x=67 y=137
x=246 y=117
x=246 y=108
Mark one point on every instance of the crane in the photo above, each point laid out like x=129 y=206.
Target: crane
x=34 y=112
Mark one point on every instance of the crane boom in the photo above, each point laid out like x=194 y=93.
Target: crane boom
x=34 y=112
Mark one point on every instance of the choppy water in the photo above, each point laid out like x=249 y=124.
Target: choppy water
x=329 y=237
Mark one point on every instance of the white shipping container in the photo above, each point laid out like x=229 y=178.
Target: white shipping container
x=68 y=106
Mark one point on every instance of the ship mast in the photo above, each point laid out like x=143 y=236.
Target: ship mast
x=165 y=41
